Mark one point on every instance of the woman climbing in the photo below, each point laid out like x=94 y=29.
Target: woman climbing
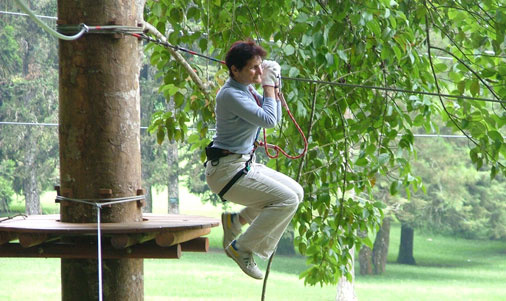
x=270 y=197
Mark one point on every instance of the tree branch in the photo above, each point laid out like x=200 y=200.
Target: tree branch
x=472 y=71
x=429 y=47
x=204 y=88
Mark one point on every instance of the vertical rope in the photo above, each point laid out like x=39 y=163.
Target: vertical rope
x=99 y=254
x=208 y=38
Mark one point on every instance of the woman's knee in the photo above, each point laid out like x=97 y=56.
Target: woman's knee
x=293 y=200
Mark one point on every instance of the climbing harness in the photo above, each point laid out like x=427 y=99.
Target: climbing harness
x=214 y=154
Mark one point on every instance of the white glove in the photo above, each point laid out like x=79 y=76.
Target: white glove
x=271 y=73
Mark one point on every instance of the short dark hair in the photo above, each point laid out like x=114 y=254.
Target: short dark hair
x=241 y=52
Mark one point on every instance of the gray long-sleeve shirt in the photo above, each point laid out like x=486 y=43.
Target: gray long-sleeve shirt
x=238 y=116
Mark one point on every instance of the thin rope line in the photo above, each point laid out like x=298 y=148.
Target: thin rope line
x=441 y=57
x=48 y=29
x=102 y=201
x=99 y=254
x=392 y=89
x=26 y=15
x=42 y=124
x=27 y=123
x=213 y=129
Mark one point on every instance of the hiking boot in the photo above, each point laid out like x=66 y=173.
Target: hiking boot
x=231 y=227
x=244 y=260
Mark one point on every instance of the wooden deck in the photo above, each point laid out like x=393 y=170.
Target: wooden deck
x=157 y=236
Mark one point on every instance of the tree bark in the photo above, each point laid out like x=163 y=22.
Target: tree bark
x=406 y=246
x=365 y=257
x=99 y=117
x=345 y=288
x=380 y=248
x=173 y=185
x=173 y=163
x=30 y=187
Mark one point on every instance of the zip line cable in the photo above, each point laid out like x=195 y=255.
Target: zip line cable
x=137 y=32
x=175 y=47
x=48 y=29
x=145 y=128
x=42 y=124
x=26 y=15
x=392 y=89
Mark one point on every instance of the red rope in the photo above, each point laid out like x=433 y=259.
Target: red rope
x=278 y=149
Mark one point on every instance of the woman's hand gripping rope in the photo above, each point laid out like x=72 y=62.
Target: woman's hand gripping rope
x=281 y=97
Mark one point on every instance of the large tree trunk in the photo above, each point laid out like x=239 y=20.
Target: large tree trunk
x=380 y=249
x=99 y=116
x=30 y=187
x=406 y=246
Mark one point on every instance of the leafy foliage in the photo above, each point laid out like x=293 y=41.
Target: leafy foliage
x=356 y=135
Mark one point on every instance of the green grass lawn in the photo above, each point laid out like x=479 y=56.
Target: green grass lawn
x=447 y=269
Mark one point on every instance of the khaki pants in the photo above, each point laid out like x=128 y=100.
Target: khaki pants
x=270 y=199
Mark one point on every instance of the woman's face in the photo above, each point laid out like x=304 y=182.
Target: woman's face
x=251 y=73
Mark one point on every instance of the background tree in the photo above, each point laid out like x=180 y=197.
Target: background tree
x=28 y=94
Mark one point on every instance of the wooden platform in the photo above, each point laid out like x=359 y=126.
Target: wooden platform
x=157 y=236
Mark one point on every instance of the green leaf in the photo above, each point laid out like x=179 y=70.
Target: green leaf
x=289 y=50
x=440 y=67
x=496 y=136
x=475 y=87
x=160 y=135
x=398 y=53
x=394 y=188
x=330 y=59
x=380 y=205
x=293 y=72
x=203 y=44
x=178 y=99
x=342 y=55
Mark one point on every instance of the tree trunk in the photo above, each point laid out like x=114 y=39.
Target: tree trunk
x=99 y=117
x=364 y=257
x=30 y=187
x=345 y=289
x=380 y=248
x=173 y=185
x=406 y=246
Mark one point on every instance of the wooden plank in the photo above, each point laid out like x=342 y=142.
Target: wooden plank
x=27 y=240
x=89 y=251
x=50 y=224
x=5 y=237
x=200 y=244
x=122 y=241
x=167 y=239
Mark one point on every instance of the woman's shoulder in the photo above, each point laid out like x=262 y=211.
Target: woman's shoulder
x=227 y=92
